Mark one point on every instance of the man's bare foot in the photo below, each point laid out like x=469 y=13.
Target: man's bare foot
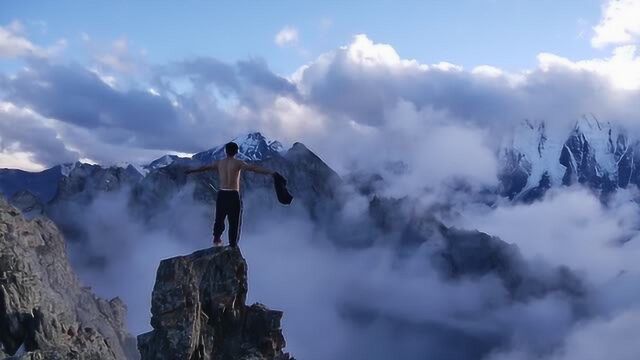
x=217 y=241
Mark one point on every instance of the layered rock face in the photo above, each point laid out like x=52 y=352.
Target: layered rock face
x=596 y=154
x=199 y=312
x=45 y=313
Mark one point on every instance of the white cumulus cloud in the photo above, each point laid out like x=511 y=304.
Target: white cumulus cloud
x=620 y=23
x=622 y=68
x=288 y=35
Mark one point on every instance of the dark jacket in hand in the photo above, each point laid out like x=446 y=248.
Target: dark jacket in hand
x=280 y=185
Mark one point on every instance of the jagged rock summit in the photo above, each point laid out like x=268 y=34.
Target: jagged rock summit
x=199 y=312
x=251 y=147
x=598 y=154
x=45 y=313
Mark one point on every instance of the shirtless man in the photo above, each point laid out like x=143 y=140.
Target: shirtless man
x=228 y=203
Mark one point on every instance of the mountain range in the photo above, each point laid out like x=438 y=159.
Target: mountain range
x=149 y=184
x=532 y=160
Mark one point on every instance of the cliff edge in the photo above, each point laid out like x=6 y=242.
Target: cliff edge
x=45 y=312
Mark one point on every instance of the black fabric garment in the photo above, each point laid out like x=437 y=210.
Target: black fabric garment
x=228 y=205
x=280 y=185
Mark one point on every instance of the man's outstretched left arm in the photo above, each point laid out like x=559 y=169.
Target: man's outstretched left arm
x=212 y=167
x=257 y=169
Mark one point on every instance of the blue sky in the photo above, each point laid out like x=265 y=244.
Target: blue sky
x=505 y=34
x=106 y=82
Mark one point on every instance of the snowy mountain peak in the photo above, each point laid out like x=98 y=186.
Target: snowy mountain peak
x=161 y=162
x=251 y=147
x=254 y=140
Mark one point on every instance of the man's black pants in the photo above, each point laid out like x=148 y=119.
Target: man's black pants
x=228 y=205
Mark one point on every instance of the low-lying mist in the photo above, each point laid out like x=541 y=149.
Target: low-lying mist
x=355 y=302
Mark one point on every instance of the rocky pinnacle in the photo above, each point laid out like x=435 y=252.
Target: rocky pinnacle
x=199 y=312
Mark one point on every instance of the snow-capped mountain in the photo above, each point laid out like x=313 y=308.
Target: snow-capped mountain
x=149 y=185
x=161 y=162
x=532 y=159
x=596 y=154
x=253 y=147
x=80 y=182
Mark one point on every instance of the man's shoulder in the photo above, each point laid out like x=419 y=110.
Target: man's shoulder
x=233 y=163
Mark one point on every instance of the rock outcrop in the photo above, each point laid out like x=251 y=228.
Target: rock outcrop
x=199 y=313
x=45 y=313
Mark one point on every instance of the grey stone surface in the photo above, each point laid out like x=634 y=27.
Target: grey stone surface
x=199 y=312
x=45 y=313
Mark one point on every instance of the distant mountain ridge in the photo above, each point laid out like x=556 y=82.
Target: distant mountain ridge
x=531 y=160
x=252 y=147
x=69 y=187
x=42 y=184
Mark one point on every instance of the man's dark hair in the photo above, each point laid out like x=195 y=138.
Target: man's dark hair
x=231 y=148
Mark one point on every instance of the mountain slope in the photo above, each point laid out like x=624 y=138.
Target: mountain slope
x=42 y=184
x=45 y=313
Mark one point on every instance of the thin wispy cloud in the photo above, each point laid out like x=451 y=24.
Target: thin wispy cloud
x=13 y=44
x=287 y=36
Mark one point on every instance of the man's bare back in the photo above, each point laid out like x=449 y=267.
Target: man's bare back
x=229 y=173
x=229 y=170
